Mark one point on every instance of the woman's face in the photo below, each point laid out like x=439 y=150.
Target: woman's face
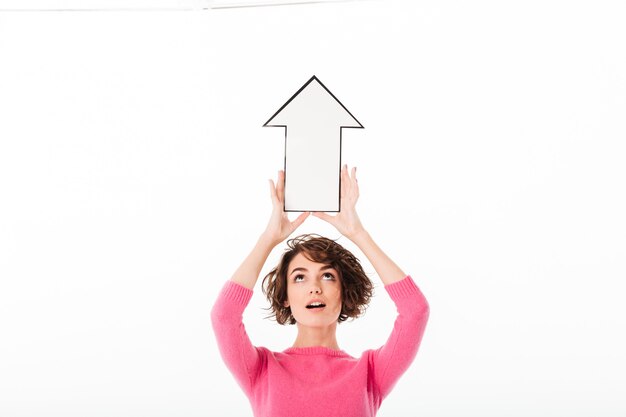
x=313 y=292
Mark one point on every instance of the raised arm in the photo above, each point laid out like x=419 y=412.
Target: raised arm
x=392 y=359
x=240 y=356
x=278 y=229
x=347 y=222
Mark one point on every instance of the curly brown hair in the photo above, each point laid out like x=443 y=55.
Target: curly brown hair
x=356 y=287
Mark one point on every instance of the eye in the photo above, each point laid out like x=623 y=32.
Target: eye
x=297 y=277
x=328 y=276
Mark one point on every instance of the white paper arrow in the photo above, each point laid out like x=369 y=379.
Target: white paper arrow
x=313 y=119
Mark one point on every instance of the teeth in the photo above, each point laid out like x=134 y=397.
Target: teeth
x=316 y=304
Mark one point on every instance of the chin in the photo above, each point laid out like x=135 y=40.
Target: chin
x=321 y=322
x=313 y=323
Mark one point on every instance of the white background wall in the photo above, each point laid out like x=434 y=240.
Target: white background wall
x=133 y=180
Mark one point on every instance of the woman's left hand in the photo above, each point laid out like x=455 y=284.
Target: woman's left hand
x=347 y=221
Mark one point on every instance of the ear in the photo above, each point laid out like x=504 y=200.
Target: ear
x=286 y=303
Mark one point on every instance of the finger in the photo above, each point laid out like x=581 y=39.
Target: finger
x=355 y=184
x=273 y=192
x=345 y=181
x=342 y=186
x=300 y=219
x=280 y=187
x=350 y=183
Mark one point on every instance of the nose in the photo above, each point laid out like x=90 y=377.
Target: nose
x=315 y=290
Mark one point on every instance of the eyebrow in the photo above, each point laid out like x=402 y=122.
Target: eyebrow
x=324 y=268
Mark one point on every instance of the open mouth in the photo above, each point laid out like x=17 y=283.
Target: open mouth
x=316 y=305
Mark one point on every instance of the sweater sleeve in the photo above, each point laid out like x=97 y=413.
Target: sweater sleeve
x=392 y=359
x=240 y=356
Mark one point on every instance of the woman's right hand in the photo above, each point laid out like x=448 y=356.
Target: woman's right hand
x=279 y=226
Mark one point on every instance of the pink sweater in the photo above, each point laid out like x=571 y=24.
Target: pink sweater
x=318 y=381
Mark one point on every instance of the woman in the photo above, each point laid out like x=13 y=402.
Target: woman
x=316 y=285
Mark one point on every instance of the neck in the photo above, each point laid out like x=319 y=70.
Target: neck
x=317 y=336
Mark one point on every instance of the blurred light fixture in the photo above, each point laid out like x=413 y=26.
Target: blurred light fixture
x=122 y=5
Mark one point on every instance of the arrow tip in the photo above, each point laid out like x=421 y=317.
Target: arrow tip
x=347 y=120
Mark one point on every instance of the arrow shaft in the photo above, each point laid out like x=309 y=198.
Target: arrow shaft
x=312 y=168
